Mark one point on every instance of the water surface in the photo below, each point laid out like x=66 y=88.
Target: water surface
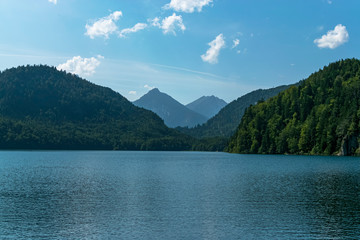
x=177 y=195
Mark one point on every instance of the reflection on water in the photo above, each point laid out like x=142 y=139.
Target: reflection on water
x=175 y=195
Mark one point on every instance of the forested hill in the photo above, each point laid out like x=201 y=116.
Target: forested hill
x=43 y=108
x=320 y=116
x=224 y=123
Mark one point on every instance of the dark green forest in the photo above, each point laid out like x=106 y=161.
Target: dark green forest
x=43 y=108
x=319 y=116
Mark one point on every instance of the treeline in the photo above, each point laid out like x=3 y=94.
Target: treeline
x=30 y=134
x=320 y=116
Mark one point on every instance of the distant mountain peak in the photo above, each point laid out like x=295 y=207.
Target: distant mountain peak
x=154 y=90
x=208 y=106
x=171 y=111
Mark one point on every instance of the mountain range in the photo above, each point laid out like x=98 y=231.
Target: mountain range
x=225 y=122
x=171 y=111
x=207 y=106
x=43 y=108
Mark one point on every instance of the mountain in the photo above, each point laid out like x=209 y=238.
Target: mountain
x=43 y=108
x=207 y=106
x=319 y=116
x=171 y=111
x=224 y=123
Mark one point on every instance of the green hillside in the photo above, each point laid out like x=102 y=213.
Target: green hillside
x=43 y=108
x=320 y=116
x=224 y=123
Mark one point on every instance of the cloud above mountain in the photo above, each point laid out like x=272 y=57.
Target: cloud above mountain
x=188 y=6
x=137 y=27
x=170 y=24
x=81 y=66
x=333 y=38
x=103 y=27
x=148 y=87
x=212 y=54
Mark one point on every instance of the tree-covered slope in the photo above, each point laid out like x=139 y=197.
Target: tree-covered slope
x=320 y=116
x=224 y=123
x=43 y=108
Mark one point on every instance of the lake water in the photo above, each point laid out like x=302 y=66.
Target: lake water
x=177 y=195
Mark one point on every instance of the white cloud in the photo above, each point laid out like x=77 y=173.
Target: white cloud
x=136 y=28
x=155 y=22
x=188 y=6
x=104 y=26
x=169 y=24
x=132 y=93
x=81 y=66
x=148 y=87
x=211 y=55
x=53 y=1
x=235 y=43
x=333 y=38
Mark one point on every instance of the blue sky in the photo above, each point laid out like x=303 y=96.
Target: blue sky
x=186 y=48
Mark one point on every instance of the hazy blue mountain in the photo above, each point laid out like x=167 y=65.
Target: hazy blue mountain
x=226 y=121
x=207 y=106
x=171 y=111
x=43 y=108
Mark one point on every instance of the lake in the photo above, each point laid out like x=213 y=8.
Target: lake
x=177 y=195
